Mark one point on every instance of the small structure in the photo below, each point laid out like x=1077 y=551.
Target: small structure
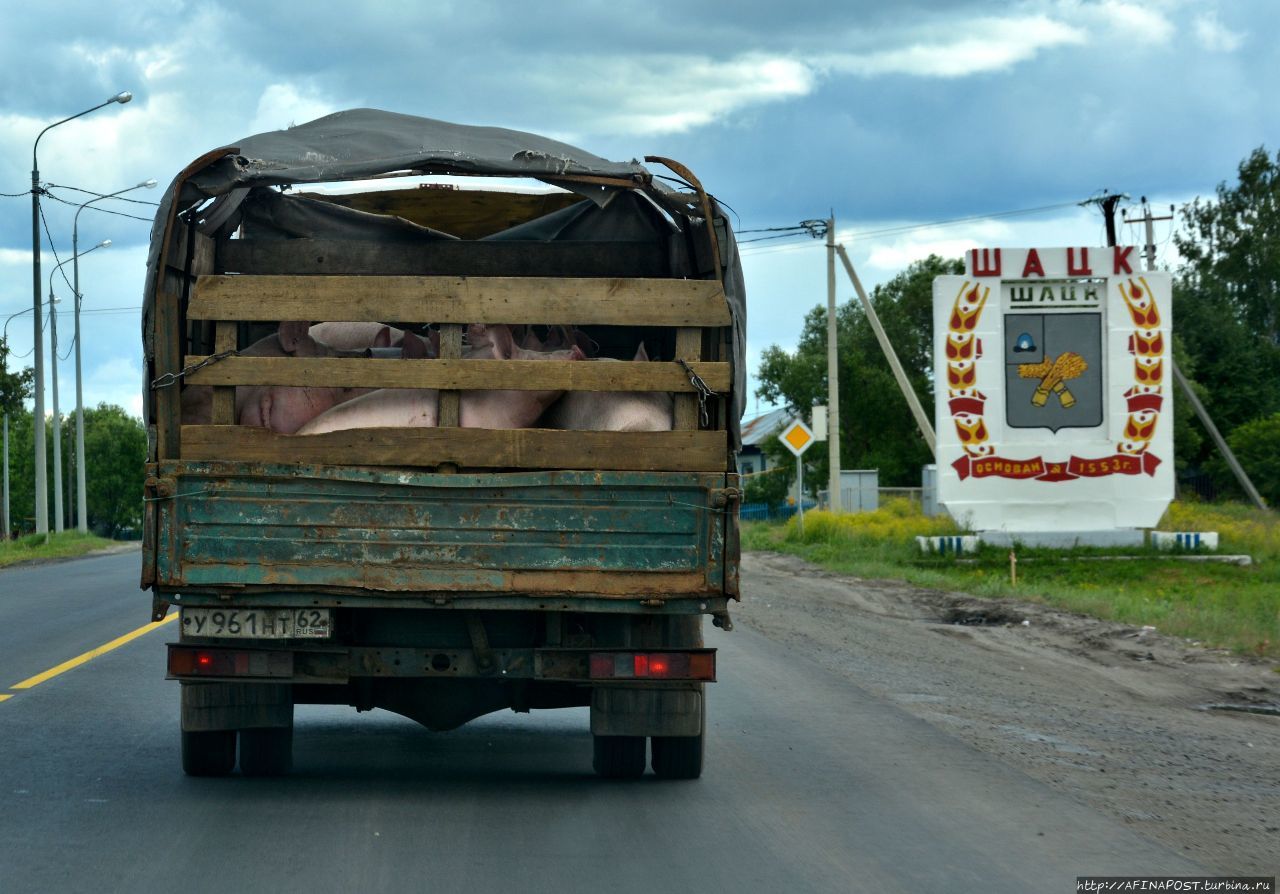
x=1185 y=539
x=859 y=491
x=951 y=543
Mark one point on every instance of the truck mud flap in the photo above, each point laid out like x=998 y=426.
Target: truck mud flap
x=646 y=712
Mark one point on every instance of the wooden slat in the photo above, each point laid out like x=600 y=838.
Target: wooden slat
x=449 y=299
x=341 y=256
x=469 y=448
x=224 y=398
x=518 y=375
x=688 y=348
x=168 y=359
x=202 y=252
x=449 y=408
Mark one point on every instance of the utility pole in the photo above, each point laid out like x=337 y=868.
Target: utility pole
x=1149 y=250
x=833 y=375
x=1108 y=202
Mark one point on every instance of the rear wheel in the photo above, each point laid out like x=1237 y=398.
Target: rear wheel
x=208 y=753
x=680 y=757
x=619 y=757
x=266 y=752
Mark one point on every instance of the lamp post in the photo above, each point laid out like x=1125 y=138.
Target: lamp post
x=4 y=504
x=57 y=417
x=82 y=503
x=41 y=473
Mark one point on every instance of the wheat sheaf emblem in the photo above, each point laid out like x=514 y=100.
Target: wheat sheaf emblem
x=1053 y=375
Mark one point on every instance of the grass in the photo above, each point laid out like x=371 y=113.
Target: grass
x=33 y=546
x=1219 y=605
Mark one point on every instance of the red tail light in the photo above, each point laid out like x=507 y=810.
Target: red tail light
x=684 y=665
x=185 y=661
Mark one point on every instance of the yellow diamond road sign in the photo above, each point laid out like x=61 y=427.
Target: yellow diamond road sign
x=797 y=436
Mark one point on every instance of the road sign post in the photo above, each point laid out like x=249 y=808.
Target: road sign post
x=798 y=438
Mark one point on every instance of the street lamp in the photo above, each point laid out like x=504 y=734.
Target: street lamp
x=57 y=418
x=4 y=504
x=41 y=473
x=82 y=504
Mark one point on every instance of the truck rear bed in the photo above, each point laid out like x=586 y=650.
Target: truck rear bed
x=323 y=534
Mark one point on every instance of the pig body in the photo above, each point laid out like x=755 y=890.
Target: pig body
x=197 y=400
x=612 y=410
x=286 y=408
x=417 y=408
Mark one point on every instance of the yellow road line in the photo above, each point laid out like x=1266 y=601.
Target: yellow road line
x=91 y=654
x=4 y=697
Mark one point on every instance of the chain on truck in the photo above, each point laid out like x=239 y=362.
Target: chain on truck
x=437 y=448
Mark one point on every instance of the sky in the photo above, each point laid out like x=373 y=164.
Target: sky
x=889 y=116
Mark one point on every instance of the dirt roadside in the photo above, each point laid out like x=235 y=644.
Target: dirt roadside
x=1112 y=715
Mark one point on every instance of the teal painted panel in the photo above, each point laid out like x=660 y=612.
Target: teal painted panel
x=293 y=526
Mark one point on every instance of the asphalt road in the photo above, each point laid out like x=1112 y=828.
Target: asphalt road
x=811 y=785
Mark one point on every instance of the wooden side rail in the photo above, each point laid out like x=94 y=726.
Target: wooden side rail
x=471 y=448
x=463 y=375
x=461 y=300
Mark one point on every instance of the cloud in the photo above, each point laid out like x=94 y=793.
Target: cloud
x=1215 y=36
x=1129 y=21
x=979 y=45
x=662 y=93
x=284 y=105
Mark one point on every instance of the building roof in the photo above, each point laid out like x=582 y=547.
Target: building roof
x=763 y=427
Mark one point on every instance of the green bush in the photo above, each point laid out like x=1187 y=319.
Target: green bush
x=1256 y=445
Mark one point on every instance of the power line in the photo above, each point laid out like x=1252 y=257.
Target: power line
x=906 y=228
x=89 y=192
x=99 y=210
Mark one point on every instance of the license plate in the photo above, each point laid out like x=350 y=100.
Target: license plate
x=258 y=623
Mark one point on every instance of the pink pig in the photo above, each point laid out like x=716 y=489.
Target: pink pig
x=417 y=408
x=612 y=410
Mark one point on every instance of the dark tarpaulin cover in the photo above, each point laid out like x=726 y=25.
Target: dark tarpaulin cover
x=363 y=143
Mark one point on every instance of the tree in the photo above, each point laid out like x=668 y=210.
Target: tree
x=15 y=387
x=877 y=429
x=1226 y=299
x=115 y=449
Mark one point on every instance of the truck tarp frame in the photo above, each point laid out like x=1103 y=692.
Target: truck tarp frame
x=365 y=143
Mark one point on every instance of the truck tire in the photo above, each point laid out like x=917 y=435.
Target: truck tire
x=680 y=757
x=619 y=757
x=208 y=753
x=266 y=752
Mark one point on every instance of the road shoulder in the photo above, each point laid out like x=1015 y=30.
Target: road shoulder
x=1115 y=716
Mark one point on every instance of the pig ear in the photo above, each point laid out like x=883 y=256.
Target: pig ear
x=530 y=341
x=641 y=353
x=383 y=338
x=576 y=353
x=414 y=347
x=293 y=334
x=503 y=345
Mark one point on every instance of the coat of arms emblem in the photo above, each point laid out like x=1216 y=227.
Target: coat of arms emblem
x=1053 y=370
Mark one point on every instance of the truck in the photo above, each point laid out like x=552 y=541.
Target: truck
x=458 y=563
